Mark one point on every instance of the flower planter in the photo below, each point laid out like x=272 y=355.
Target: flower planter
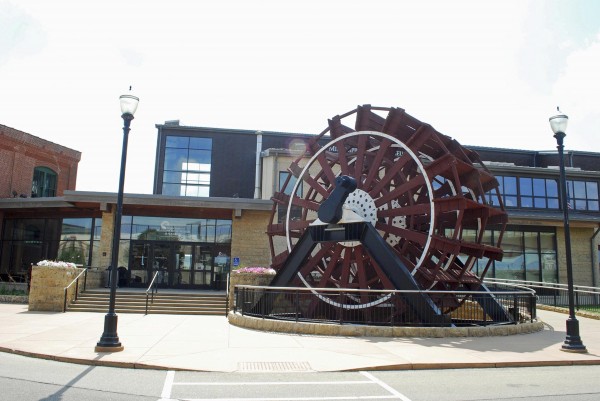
x=258 y=279
x=47 y=289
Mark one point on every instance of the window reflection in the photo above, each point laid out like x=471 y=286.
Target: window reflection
x=542 y=193
x=187 y=166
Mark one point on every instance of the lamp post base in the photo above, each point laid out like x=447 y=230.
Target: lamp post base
x=97 y=348
x=109 y=342
x=573 y=341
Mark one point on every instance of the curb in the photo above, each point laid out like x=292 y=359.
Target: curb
x=395 y=367
x=289 y=327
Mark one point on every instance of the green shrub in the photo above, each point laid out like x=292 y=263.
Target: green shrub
x=12 y=291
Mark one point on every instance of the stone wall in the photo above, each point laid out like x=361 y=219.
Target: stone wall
x=246 y=279
x=96 y=279
x=249 y=240
x=355 y=330
x=47 y=287
x=581 y=255
x=14 y=299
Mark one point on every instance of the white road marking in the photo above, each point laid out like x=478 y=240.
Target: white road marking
x=170 y=383
x=168 y=386
x=269 y=383
x=364 y=397
x=385 y=386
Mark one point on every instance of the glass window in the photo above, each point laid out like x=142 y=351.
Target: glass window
x=591 y=190
x=44 y=183
x=180 y=229
x=296 y=211
x=552 y=188
x=171 y=189
x=539 y=187
x=177 y=142
x=579 y=189
x=542 y=193
x=512 y=264
x=528 y=255
x=531 y=241
x=532 y=267
x=525 y=185
x=174 y=159
x=582 y=195
x=510 y=185
x=187 y=166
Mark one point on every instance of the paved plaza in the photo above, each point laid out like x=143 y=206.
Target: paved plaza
x=210 y=343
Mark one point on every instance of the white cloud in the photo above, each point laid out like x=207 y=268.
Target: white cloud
x=284 y=66
x=20 y=34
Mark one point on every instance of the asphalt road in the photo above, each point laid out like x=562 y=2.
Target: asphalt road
x=26 y=379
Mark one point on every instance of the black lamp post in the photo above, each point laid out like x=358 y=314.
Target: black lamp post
x=109 y=342
x=573 y=340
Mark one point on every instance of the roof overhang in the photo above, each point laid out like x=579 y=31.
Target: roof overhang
x=73 y=202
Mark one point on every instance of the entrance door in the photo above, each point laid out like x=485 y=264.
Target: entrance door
x=203 y=265
x=179 y=265
x=147 y=258
x=162 y=261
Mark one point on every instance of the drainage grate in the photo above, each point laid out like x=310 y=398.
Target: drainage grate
x=274 y=367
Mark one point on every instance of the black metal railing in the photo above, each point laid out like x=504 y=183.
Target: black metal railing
x=152 y=288
x=554 y=294
x=76 y=283
x=384 y=307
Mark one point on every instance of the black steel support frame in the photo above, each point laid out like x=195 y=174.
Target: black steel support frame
x=398 y=274
x=377 y=248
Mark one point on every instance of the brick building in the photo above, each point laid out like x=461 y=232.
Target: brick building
x=35 y=167
x=212 y=204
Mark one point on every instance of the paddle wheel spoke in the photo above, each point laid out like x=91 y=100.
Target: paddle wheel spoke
x=420 y=189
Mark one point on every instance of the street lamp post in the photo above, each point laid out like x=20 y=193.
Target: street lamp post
x=109 y=342
x=572 y=343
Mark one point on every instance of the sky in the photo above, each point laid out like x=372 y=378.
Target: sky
x=487 y=73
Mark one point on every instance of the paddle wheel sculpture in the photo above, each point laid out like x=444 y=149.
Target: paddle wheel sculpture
x=427 y=200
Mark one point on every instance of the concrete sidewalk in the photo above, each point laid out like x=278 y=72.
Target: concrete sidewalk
x=210 y=343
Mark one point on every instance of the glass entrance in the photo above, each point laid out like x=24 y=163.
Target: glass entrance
x=162 y=262
x=179 y=265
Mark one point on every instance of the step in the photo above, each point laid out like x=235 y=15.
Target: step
x=142 y=311
x=165 y=303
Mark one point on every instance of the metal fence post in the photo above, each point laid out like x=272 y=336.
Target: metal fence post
x=297 y=305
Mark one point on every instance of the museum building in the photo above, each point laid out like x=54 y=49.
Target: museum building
x=211 y=206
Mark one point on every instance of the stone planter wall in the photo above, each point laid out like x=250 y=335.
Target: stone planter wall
x=246 y=279
x=14 y=299
x=47 y=287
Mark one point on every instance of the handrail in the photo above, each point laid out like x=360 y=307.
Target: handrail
x=76 y=281
x=312 y=289
x=155 y=289
x=543 y=284
x=555 y=294
x=227 y=295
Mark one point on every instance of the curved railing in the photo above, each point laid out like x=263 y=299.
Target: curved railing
x=555 y=294
x=383 y=307
x=76 y=282
x=152 y=288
